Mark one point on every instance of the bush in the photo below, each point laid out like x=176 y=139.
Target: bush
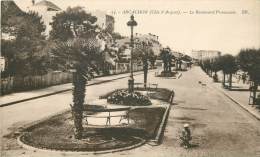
x=215 y=78
x=168 y=74
x=123 y=97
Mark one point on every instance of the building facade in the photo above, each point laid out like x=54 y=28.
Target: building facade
x=104 y=20
x=205 y=54
x=47 y=10
x=152 y=39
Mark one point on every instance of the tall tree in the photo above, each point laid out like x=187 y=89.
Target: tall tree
x=79 y=48
x=152 y=58
x=166 y=57
x=249 y=61
x=228 y=66
x=72 y=22
x=207 y=66
x=11 y=17
x=215 y=66
x=23 y=49
x=143 y=52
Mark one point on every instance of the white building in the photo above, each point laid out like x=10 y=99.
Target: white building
x=154 y=39
x=104 y=20
x=47 y=10
x=205 y=54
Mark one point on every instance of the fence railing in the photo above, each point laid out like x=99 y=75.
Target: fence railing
x=14 y=84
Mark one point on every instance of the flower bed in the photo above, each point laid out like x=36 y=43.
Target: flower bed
x=168 y=74
x=123 y=97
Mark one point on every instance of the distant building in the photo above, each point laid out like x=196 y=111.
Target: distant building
x=138 y=38
x=177 y=54
x=205 y=54
x=47 y=10
x=153 y=39
x=104 y=20
x=110 y=23
x=125 y=42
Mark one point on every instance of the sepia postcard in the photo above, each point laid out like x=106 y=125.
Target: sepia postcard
x=157 y=78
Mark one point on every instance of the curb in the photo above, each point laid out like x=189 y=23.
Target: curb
x=61 y=91
x=78 y=152
x=26 y=146
x=221 y=90
x=160 y=131
x=236 y=102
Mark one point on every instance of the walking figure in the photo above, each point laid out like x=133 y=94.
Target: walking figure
x=239 y=78
x=244 y=78
x=186 y=136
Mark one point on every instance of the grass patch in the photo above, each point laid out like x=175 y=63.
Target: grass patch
x=148 y=119
x=57 y=132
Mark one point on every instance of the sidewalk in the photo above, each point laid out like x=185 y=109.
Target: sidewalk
x=18 y=97
x=239 y=95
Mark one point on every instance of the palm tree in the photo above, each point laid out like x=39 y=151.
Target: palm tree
x=82 y=56
x=77 y=48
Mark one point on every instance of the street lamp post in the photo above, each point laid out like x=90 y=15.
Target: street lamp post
x=131 y=24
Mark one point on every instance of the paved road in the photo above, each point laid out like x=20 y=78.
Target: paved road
x=219 y=126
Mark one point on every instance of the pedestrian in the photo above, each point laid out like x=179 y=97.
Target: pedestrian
x=239 y=78
x=244 y=78
x=186 y=136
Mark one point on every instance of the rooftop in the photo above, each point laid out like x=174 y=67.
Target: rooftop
x=48 y=4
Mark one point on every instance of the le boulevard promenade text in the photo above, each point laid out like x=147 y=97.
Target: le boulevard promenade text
x=180 y=12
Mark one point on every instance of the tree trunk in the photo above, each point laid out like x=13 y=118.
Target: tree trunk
x=145 y=73
x=254 y=91
x=230 y=80
x=170 y=67
x=164 y=66
x=224 y=79
x=79 y=83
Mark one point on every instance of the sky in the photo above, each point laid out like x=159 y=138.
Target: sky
x=183 y=25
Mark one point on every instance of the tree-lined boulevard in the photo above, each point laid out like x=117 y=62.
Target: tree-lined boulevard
x=225 y=129
x=72 y=86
